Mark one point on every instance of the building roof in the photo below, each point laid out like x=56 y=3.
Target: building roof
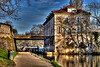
x=63 y=10
x=69 y=6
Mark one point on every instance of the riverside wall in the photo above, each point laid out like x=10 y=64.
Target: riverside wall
x=6 y=37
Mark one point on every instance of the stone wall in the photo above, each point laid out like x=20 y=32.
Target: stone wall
x=6 y=37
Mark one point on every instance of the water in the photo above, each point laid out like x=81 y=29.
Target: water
x=76 y=60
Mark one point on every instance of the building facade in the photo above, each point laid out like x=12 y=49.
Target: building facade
x=67 y=27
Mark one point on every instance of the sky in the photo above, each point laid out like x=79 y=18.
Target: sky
x=36 y=13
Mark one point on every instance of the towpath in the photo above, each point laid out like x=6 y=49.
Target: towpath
x=25 y=59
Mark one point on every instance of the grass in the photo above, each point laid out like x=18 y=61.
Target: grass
x=4 y=60
x=54 y=64
x=14 y=54
x=4 y=53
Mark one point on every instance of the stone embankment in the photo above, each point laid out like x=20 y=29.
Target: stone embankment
x=6 y=37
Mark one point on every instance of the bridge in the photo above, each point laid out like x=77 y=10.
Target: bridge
x=29 y=38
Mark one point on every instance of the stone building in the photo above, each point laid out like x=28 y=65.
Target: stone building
x=6 y=37
x=67 y=27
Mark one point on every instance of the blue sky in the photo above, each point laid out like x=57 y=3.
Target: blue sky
x=36 y=13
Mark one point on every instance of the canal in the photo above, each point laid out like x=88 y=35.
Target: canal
x=76 y=60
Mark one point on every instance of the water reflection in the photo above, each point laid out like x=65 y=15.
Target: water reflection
x=78 y=60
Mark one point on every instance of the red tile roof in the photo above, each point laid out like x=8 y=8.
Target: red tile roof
x=63 y=10
x=68 y=7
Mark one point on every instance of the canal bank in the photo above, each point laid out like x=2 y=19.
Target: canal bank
x=47 y=60
x=74 y=60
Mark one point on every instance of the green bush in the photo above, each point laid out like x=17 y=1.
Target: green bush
x=4 y=53
x=55 y=64
x=14 y=54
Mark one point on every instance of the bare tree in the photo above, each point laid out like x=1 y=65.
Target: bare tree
x=94 y=8
x=15 y=31
x=36 y=30
x=77 y=3
x=10 y=8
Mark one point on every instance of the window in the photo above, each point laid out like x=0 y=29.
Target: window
x=66 y=29
x=82 y=19
x=77 y=19
x=59 y=29
x=78 y=29
x=84 y=29
x=66 y=20
x=73 y=10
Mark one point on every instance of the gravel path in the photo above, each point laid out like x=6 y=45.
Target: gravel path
x=25 y=59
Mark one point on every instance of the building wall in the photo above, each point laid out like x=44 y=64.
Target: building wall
x=49 y=31
x=6 y=37
x=60 y=38
x=49 y=28
x=58 y=42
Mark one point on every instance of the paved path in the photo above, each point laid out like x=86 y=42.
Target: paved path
x=25 y=59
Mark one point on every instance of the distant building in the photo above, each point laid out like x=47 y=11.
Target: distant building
x=59 y=22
